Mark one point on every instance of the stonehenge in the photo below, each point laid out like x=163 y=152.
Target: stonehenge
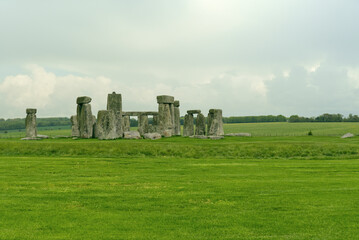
x=114 y=123
x=30 y=123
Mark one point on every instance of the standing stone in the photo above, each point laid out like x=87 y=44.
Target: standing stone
x=126 y=124
x=165 y=121
x=188 y=127
x=106 y=125
x=85 y=117
x=143 y=126
x=30 y=123
x=177 y=119
x=215 y=122
x=114 y=103
x=201 y=124
x=75 y=126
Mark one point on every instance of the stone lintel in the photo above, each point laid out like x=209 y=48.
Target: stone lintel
x=215 y=110
x=83 y=100
x=139 y=113
x=165 y=99
x=194 y=111
x=31 y=110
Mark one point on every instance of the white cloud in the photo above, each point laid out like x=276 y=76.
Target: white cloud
x=52 y=95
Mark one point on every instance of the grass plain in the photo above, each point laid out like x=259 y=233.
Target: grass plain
x=261 y=187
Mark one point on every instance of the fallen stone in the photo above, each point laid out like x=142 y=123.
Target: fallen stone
x=199 y=137
x=62 y=136
x=152 y=136
x=31 y=138
x=132 y=135
x=83 y=100
x=215 y=137
x=238 y=135
x=348 y=135
x=42 y=136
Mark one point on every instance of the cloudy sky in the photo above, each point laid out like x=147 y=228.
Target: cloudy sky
x=248 y=57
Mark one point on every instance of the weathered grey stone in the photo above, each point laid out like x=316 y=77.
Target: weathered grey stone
x=61 y=136
x=152 y=136
x=31 y=111
x=188 y=126
x=194 y=111
x=85 y=120
x=83 y=100
x=164 y=120
x=126 y=126
x=139 y=113
x=114 y=102
x=106 y=125
x=215 y=137
x=176 y=103
x=200 y=124
x=42 y=136
x=348 y=135
x=199 y=136
x=75 y=131
x=30 y=123
x=165 y=99
x=31 y=138
x=215 y=123
x=132 y=135
x=177 y=119
x=143 y=124
x=238 y=135
x=167 y=133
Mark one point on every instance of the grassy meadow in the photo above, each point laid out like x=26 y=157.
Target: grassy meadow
x=277 y=184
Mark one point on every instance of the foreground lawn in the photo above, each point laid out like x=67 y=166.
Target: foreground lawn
x=180 y=188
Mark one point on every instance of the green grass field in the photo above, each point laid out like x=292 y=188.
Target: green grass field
x=279 y=187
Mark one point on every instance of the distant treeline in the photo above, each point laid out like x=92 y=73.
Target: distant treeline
x=255 y=119
x=326 y=117
x=19 y=123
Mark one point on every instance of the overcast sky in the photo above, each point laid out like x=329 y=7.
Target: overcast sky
x=247 y=57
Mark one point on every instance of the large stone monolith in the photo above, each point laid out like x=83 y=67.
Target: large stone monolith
x=126 y=123
x=188 y=126
x=85 y=117
x=200 y=124
x=75 y=132
x=114 y=103
x=165 y=120
x=177 y=118
x=143 y=126
x=106 y=125
x=215 y=122
x=30 y=123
